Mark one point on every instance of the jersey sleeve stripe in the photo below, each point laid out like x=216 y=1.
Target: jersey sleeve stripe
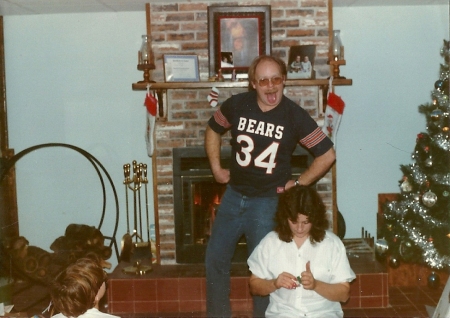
x=221 y=120
x=313 y=138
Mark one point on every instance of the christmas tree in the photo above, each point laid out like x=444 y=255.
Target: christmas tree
x=416 y=227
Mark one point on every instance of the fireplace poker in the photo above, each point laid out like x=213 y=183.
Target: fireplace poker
x=140 y=170
x=126 y=244
x=145 y=181
x=135 y=187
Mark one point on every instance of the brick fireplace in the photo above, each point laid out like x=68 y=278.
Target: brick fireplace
x=181 y=28
x=185 y=125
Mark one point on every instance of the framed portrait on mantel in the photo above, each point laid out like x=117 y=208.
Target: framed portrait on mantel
x=301 y=62
x=236 y=35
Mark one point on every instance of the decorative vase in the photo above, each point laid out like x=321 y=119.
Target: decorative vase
x=336 y=46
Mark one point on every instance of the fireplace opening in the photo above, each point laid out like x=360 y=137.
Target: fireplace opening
x=197 y=197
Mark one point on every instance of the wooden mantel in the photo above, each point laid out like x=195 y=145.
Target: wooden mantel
x=237 y=84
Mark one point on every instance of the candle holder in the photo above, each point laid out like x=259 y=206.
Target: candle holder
x=336 y=64
x=146 y=68
x=146 y=59
x=336 y=55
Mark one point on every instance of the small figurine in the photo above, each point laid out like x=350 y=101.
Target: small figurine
x=233 y=75
x=220 y=77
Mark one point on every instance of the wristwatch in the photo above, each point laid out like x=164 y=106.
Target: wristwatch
x=296 y=183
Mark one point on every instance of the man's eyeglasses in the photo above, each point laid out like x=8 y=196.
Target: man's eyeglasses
x=277 y=80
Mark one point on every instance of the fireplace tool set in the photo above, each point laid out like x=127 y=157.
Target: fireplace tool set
x=134 y=249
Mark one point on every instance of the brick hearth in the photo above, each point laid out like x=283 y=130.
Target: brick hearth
x=181 y=289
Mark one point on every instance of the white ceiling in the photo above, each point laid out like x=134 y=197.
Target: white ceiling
x=24 y=7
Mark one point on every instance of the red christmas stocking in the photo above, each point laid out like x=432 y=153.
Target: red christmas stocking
x=333 y=115
x=150 y=103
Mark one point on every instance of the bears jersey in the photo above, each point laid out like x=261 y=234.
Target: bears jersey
x=263 y=142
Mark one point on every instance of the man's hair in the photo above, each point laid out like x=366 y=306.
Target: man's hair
x=301 y=200
x=256 y=61
x=73 y=290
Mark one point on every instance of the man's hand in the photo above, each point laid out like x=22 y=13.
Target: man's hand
x=222 y=175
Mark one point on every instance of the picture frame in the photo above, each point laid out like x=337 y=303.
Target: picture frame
x=181 y=68
x=301 y=62
x=239 y=34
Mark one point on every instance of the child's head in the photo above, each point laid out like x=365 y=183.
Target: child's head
x=79 y=287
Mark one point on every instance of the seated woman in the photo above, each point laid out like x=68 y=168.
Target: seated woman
x=302 y=265
x=77 y=290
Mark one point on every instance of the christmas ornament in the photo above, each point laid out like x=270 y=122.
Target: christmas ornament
x=433 y=280
x=445 y=193
x=445 y=121
x=429 y=198
x=394 y=261
x=439 y=85
x=406 y=186
x=429 y=162
x=436 y=114
x=381 y=248
x=406 y=250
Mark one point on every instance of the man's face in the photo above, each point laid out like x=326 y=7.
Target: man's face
x=268 y=96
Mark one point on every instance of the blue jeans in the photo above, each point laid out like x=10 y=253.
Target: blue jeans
x=237 y=215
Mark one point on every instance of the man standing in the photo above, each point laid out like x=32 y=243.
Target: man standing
x=265 y=127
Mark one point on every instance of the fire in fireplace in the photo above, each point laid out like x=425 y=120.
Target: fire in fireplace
x=197 y=197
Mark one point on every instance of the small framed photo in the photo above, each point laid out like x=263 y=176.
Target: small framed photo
x=301 y=62
x=181 y=68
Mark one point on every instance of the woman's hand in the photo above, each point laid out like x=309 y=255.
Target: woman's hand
x=308 y=280
x=286 y=280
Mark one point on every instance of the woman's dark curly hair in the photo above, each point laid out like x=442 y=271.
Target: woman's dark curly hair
x=301 y=200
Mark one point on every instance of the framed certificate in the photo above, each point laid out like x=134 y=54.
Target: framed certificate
x=181 y=68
